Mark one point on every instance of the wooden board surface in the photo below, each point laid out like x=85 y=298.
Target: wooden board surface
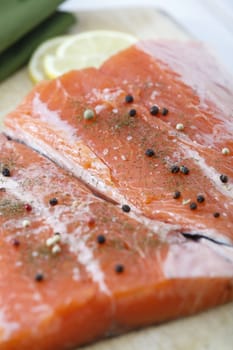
x=211 y=330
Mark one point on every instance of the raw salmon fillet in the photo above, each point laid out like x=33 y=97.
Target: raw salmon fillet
x=159 y=189
x=109 y=152
x=106 y=273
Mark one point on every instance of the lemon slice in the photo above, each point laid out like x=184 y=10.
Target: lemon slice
x=87 y=49
x=35 y=67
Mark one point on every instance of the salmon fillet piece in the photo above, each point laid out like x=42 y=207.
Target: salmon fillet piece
x=142 y=159
x=75 y=268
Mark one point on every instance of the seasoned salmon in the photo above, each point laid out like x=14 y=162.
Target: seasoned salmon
x=75 y=268
x=146 y=235
x=161 y=128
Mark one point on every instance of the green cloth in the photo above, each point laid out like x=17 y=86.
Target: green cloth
x=18 y=17
x=18 y=54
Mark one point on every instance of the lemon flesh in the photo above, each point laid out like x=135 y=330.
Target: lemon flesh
x=35 y=67
x=88 y=49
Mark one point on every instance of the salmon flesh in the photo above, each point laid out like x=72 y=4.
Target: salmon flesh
x=116 y=198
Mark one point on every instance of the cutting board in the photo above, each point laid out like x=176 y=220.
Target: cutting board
x=212 y=330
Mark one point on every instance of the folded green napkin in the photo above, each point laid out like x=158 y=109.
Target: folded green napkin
x=18 y=54
x=18 y=17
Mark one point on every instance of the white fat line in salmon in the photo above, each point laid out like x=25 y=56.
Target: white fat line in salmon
x=161 y=229
x=210 y=172
x=202 y=259
x=211 y=234
x=86 y=258
x=76 y=242
x=6 y=327
x=16 y=190
x=105 y=95
x=223 y=248
x=66 y=161
x=52 y=117
x=224 y=251
x=77 y=245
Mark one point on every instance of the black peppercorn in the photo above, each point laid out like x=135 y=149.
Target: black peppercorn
x=224 y=178
x=175 y=169
x=126 y=208
x=132 y=112
x=53 y=201
x=128 y=98
x=176 y=195
x=39 y=277
x=154 y=110
x=164 y=111
x=193 y=206
x=119 y=268
x=101 y=239
x=149 y=152
x=6 y=172
x=200 y=198
x=184 y=170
